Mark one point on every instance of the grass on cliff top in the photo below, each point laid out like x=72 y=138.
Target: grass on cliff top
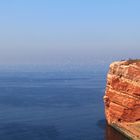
x=131 y=61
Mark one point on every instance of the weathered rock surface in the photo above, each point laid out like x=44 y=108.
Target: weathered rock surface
x=122 y=98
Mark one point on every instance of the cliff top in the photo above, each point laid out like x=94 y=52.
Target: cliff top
x=127 y=62
x=131 y=61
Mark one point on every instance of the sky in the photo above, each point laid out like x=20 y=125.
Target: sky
x=71 y=32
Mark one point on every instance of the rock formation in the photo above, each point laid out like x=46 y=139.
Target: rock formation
x=122 y=97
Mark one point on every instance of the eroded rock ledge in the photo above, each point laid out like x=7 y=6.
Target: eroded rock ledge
x=122 y=97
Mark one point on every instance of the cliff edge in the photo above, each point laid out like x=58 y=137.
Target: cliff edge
x=122 y=97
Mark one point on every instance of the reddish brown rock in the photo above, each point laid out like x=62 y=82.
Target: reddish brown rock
x=122 y=97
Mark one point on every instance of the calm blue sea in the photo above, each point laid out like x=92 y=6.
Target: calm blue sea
x=53 y=106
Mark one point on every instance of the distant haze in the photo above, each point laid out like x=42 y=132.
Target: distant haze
x=68 y=31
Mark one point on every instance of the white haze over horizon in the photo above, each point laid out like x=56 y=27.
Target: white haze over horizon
x=68 y=33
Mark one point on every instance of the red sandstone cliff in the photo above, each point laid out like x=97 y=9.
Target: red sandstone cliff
x=122 y=97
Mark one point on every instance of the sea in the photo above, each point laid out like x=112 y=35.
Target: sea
x=54 y=105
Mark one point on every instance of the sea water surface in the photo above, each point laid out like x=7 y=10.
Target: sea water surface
x=53 y=106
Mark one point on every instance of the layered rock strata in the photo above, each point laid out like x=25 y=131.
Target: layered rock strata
x=122 y=97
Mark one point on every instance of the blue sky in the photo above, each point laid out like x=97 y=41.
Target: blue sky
x=68 y=31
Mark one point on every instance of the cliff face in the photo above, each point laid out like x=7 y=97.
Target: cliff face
x=122 y=97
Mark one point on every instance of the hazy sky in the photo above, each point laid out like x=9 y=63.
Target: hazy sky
x=68 y=31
